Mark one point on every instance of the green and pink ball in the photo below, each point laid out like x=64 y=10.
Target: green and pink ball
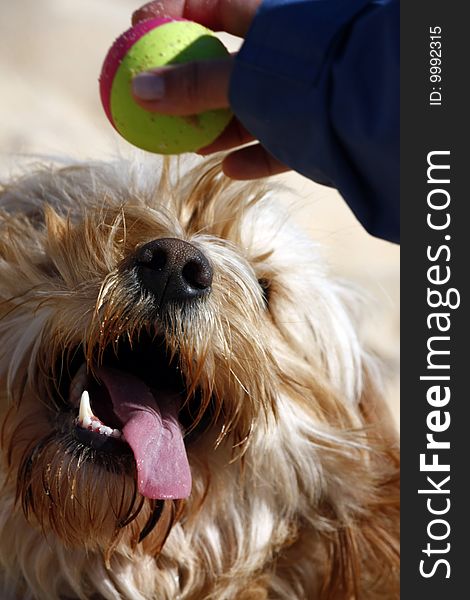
x=152 y=44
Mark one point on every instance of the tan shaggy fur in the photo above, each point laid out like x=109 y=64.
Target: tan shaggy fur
x=293 y=458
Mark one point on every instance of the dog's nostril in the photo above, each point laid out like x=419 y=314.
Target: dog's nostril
x=173 y=270
x=197 y=275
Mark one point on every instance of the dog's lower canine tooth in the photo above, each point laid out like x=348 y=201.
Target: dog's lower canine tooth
x=87 y=420
x=85 y=408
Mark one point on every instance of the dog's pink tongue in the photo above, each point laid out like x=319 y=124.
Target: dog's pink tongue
x=153 y=433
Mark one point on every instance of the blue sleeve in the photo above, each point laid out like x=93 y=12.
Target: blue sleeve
x=317 y=82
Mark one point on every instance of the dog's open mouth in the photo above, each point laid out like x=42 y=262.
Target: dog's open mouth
x=134 y=398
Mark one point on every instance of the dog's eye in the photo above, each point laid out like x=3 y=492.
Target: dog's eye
x=265 y=286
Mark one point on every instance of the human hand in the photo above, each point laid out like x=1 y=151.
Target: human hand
x=198 y=86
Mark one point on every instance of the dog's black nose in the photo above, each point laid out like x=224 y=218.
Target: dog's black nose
x=173 y=270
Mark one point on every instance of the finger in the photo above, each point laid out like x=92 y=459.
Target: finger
x=232 y=16
x=185 y=89
x=233 y=135
x=252 y=162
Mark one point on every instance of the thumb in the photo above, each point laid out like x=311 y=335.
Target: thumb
x=185 y=89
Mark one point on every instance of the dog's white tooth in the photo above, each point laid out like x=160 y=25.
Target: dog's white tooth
x=85 y=408
x=105 y=430
x=87 y=419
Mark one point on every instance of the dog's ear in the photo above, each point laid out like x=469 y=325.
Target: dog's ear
x=378 y=532
x=364 y=553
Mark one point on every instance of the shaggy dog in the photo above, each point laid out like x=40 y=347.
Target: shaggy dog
x=187 y=410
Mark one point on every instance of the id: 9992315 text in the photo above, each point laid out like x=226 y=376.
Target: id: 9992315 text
x=435 y=66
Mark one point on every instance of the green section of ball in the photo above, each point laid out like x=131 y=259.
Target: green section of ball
x=170 y=43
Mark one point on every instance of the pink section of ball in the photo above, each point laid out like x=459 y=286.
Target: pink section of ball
x=117 y=52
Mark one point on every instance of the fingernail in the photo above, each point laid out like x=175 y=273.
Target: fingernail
x=148 y=86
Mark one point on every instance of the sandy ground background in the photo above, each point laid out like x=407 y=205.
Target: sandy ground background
x=50 y=58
